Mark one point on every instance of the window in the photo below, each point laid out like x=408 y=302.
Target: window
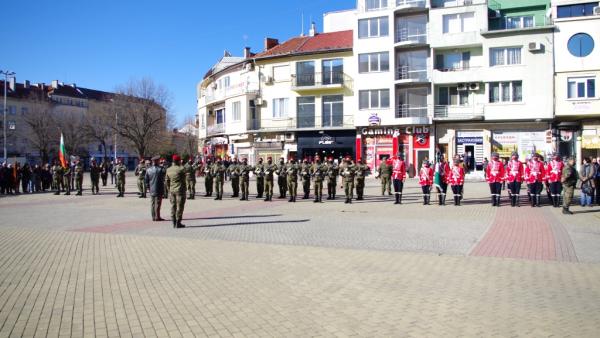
x=411 y=65
x=570 y=11
x=372 y=5
x=202 y=121
x=582 y=87
x=580 y=45
x=281 y=73
x=306 y=112
x=12 y=110
x=373 y=27
x=305 y=73
x=333 y=111
x=459 y=23
x=453 y=61
x=505 y=56
x=513 y=22
x=373 y=99
x=451 y=96
x=220 y=113
x=374 y=62
x=236 y=111
x=227 y=82
x=280 y=107
x=506 y=91
x=333 y=71
x=11 y=125
x=412 y=102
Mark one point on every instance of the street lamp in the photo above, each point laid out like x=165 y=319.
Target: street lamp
x=6 y=74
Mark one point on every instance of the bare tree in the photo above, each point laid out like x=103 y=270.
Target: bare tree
x=98 y=125
x=190 y=136
x=141 y=108
x=43 y=133
x=72 y=127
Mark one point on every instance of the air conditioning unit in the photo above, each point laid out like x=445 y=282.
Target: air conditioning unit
x=468 y=2
x=474 y=86
x=269 y=80
x=289 y=137
x=535 y=47
x=597 y=10
x=463 y=87
x=258 y=101
x=280 y=138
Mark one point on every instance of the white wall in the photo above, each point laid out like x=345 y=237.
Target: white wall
x=437 y=38
x=339 y=21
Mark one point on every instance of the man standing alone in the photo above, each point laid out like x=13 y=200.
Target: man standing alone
x=155 y=181
x=177 y=190
x=569 y=181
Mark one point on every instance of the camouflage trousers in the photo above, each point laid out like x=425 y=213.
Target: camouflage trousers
x=568 y=193
x=244 y=185
x=318 y=189
x=292 y=186
x=386 y=184
x=177 y=204
x=349 y=189
x=67 y=185
x=269 y=188
x=155 y=204
x=95 y=185
x=360 y=187
x=235 y=186
x=121 y=186
x=142 y=187
x=191 y=188
x=79 y=184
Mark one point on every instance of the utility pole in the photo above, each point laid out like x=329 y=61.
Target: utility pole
x=6 y=74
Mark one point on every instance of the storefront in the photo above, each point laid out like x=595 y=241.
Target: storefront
x=524 y=143
x=590 y=140
x=216 y=147
x=376 y=143
x=333 y=143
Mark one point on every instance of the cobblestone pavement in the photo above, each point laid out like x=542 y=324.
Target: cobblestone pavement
x=95 y=266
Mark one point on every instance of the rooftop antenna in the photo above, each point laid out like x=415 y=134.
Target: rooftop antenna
x=302 y=19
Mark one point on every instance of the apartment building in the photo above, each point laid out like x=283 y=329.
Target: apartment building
x=577 y=66
x=294 y=99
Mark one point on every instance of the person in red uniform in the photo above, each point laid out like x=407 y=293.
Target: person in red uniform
x=398 y=176
x=457 y=180
x=426 y=180
x=495 y=176
x=535 y=178
x=514 y=176
x=553 y=176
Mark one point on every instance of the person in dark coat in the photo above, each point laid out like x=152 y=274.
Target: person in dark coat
x=155 y=182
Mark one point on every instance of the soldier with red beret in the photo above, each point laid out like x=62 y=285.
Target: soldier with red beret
x=177 y=190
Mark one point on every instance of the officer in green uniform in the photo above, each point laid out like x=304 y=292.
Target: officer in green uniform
x=291 y=173
x=243 y=171
x=120 y=170
x=165 y=165
x=348 y=172
x=281 y=178
x=57 y=177
x=208 y=179
x=332 y=175
x=385 y=173
x=259 y=171
x=95 y=172
x=175 y=178
x=569 y=181
x=190 y=177
x=218 y=171
x=305 y=176
x=140 y=172
x=318 y=171
x=79 y=178
x=234 y=176
x=269 y=170
x=67 y=180
x=361 y=173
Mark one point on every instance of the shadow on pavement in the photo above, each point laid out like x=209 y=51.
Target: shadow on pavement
x=232 y=217
x=247 y=223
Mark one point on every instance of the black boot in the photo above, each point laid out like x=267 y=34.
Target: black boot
x=444 y=199
x=493 y=201
x=174 y=222
x=179 y=225
x=498 y=201
x=333 y=196
x=397 y=199
x=347 y=201
x=539 y=201
x=291 y=199
x=400 y=199
x=456 y=201
x=350 y=200
x=566 y=211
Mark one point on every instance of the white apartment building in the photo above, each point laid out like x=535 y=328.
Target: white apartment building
x=577 y=67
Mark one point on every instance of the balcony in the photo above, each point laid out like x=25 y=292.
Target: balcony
x=458 y=113
x=412 y=114
x=411 y=36
x=216 y=95
x=410 y=5
x=321 y=81
x=503 y=24
x=215 y=129
x=302 y=123
x=455 y=3
x=408 y=75
x=456 y=74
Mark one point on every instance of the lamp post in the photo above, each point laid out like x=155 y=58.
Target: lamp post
x=6 y=74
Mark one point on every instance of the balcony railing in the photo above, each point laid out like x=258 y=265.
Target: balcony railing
x=321 y=80
x=411 y=111
x=455 y=3
x=216 y=129
x=408 y=73
x=455 y=68
x=458 y=112
x=411 y=3
x=412 y=35
x=511 y=23
x=312 y=122
x=213 y=95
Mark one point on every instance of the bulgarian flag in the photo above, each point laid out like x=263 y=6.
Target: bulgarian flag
x=62 y=154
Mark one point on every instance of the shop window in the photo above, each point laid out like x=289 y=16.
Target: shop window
x=505 y=91
x=581 y=88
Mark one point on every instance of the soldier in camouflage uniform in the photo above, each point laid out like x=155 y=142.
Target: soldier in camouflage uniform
x=318 y=172
x=79 y=178
x=259 y=171
x=291 y=173
x=281 y=178
x=165 y=166
x=361 y=173
x=175 y=178
x=385 y=172
x=57 y=177
x=305 y=176
x=67 y=180
x=269 y=169
x=95 y=172
x=243 y=171
x=190 y=177
x=332 y=175
x=140 y=172
x=218 y=171
x=208 y=179
x=120 y=170
x=234 y=176
x=569 y=181
x=348 y=172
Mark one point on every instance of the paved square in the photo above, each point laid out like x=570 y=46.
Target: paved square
x=95 y=266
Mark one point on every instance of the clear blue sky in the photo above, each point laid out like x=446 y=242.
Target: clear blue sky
x=101 y=44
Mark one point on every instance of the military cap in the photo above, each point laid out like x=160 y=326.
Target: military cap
x=155 y=158
x=176 y=158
